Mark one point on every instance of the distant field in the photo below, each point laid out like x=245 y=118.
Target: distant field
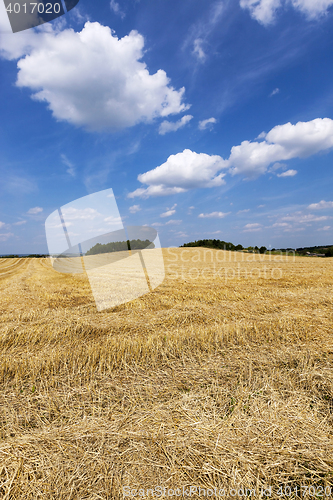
x=220 y=378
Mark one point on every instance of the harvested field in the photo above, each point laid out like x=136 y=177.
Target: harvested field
x=220 y=378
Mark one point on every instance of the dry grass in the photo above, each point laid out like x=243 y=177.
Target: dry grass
x=205 y=382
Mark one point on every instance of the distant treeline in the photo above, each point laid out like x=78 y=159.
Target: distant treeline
x=327 y=250
x=222 y=245
x=118 y=246
x=227 y=245
x=32 y=256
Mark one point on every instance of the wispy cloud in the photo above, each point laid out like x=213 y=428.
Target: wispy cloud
x=5 y=236
x=116 y=9
x=321 y=205
x=171 y=222
x=69 y=165
x=35 y=211
x=274 y=92
x=134 y=209
x=204 y=124
x=249 y=228
x=265 y=11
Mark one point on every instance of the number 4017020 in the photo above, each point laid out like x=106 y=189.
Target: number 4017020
x=49 y=8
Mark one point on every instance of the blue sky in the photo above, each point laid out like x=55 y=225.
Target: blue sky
x=207 y=119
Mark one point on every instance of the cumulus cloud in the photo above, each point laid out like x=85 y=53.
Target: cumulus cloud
x=181 y=172
x=2 y=224
x=188 y=170
x=325 y=228
x=312 y=8
x=203 y=124
x=264 y=11
x=167 y=126
x=283 y=142
x=35 y=211
x=134 y=209
x=92 y=78
x=214 y=215
x=288 y=173
x=19 y=223
x=321 y=205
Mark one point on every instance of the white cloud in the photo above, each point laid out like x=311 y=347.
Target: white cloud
x=301 y=218
x=198 y=51
x=325 y=228
x=321 y=205
x=203 y=124
x=19 y=223
x=35 y=211
x=166 y=126
x=156 y=224
x=92 y=78
x=2 y=224
x=252 y=227
x=155 y=191
x=243 y=211
x=69 y=165
x=283 y=142
x=288 y=173
x=188 y=170
x=134 y=209
x=181 y=172
x=312 y=8
x=274 y=92
x=264 y=11
x=116 y=9
x=168 y=213
x=214 y=215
